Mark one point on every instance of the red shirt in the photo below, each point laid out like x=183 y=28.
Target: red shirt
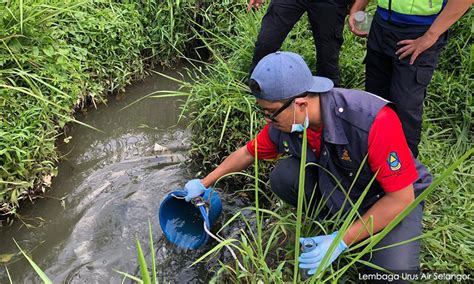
x=386 y=142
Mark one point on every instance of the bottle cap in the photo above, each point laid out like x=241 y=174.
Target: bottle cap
x=359 y=16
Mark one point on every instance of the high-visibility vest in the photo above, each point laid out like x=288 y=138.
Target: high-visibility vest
x=421 y=12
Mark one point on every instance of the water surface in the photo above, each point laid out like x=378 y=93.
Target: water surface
x=109 y=185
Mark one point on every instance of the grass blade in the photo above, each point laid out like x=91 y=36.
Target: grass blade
x=142 y=263
x=130 y=276
x=152 y=251
x=299 y=208
x=38 y=270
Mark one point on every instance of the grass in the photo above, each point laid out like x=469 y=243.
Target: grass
x=58 y=56
x=263 y=256
x=37 y=269
x=142 y=262
x=221 y=111
x=54 y=58
x=267 y=253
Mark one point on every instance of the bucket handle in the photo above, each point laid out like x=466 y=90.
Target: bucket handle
x=203 y=207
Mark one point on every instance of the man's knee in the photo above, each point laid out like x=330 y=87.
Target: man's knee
x=284 y=181
x=400 y=258
x=284 y=178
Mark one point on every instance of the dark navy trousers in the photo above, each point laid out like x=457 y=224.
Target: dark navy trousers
x=396 y=80
x=326 y=18
x=404 y=258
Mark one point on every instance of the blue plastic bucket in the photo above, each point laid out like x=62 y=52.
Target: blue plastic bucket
x=183 y=223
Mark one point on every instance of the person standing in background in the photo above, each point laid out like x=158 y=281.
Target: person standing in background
x=326 y=18
x=403 y=48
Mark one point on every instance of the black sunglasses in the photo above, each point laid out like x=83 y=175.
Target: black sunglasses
x=273 y=116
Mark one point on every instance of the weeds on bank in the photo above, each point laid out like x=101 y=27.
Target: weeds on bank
x=57 y=56
x=30 y=38
x=270 y=254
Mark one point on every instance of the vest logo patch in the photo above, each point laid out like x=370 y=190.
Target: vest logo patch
x=285 y=146
x=394 y=162
x=345 y=155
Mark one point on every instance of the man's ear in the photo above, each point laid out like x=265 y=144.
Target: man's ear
x=301 y=103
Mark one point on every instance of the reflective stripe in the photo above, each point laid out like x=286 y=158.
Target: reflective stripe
x=405 y=19
x=413 y=7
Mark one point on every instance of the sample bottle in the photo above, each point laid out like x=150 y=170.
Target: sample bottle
x=307 y=246
x=363 y=20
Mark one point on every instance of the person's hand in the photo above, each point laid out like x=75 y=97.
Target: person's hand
x=312 y=260
x=415 y=46
x=254 y=3
x=353 y=28
x=193 y=188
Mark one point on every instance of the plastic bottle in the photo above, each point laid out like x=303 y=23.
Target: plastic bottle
x=307 y=246
x=363 y=20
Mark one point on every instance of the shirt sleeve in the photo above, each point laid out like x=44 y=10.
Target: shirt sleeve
x=389 y=153
x=265 y=147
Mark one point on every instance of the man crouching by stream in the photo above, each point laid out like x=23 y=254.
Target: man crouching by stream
x=343 y=127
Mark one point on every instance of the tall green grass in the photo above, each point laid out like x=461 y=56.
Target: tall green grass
x=269 y=255
x=221 y=112
x=58 y=56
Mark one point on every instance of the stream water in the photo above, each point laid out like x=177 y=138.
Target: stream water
x=109 y=185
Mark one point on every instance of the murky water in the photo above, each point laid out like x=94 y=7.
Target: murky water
x=109 y=185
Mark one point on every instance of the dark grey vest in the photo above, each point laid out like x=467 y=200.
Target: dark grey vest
x=347 y=117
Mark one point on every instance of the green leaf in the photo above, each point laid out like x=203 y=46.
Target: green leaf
x=152 y=251
x=38 y=270
x=48 y=50
x=142 y=263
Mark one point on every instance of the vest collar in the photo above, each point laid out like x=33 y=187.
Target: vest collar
x=333 y=132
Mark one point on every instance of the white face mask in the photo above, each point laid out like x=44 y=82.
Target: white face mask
x=299 y=127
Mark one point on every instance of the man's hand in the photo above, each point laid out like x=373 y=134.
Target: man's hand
x=353 y=27
x=194 y=188
x=448 y=16
x=254 y=3
x=415 y=46
x=312 y=259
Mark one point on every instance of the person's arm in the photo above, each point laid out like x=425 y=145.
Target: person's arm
x=386 y=141
x=359 y=5
x=384 y=211
x=450 y=14
x=379 y=215
x=237 y=161
x=389 y=157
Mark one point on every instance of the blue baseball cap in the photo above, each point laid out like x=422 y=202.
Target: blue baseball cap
x=283 y=75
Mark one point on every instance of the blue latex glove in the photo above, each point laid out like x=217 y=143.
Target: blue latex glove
x=194 y=188
x=312 y=260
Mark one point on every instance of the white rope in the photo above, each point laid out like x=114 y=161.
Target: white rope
x=215 y=237
x=227 y=246
x=177 y=197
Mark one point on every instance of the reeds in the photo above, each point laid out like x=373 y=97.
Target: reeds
x=222 y=116
x=221 y=112
x=55 y=56
x=282 y=226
